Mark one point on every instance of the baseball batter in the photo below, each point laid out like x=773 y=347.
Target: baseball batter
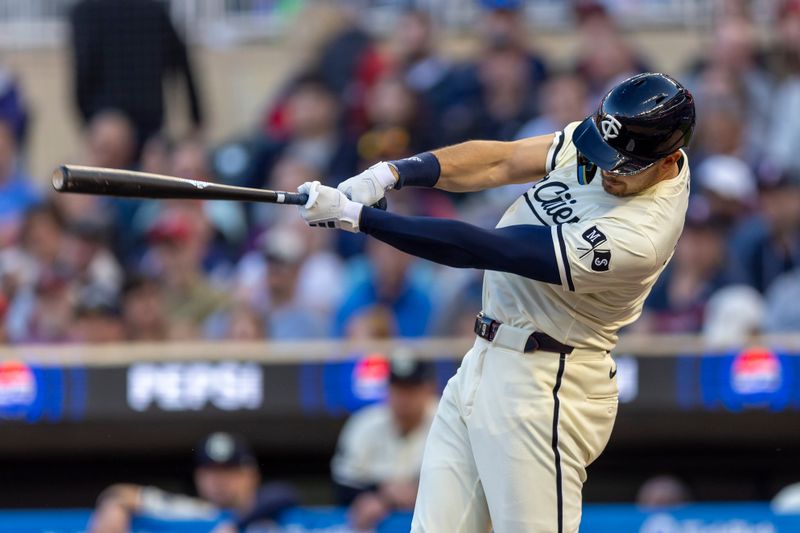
x=570 y=263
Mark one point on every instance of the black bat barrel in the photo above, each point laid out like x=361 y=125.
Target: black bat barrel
x=129 y=184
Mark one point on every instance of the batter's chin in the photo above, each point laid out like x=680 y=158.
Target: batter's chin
x=617 y=189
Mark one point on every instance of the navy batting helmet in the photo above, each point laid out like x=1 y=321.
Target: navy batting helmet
x=641 y=120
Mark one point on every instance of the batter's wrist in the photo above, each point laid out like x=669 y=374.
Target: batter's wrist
x=422 y=170
x=351 y=212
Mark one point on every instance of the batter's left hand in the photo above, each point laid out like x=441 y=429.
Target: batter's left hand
x=329 y=208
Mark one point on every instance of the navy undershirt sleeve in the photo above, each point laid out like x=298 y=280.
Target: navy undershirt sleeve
x=525 y=250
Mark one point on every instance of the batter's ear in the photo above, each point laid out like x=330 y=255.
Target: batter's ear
x=672 y=158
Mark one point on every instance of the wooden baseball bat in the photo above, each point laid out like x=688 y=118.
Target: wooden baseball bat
x=126 y=183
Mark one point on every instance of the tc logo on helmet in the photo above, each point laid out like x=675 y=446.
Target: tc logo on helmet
x=609 y=127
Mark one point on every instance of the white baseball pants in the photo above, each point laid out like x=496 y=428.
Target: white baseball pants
x=512 y=438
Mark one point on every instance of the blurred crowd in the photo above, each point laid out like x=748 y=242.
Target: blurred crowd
x=89 y=269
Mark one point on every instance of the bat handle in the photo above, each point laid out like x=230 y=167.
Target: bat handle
x=300 y=198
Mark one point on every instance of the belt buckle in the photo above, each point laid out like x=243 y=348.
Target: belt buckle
x=483 y=327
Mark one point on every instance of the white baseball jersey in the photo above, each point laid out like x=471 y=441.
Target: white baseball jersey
x=610 y=251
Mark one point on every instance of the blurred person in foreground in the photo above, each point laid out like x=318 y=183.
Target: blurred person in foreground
x=379 y=453
x=226 y=477
x=124 y=51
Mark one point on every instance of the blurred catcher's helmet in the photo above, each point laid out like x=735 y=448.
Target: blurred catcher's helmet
x=641 y=120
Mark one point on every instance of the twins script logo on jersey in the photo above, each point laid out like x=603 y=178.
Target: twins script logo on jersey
x=610 y=127
x=554 y=198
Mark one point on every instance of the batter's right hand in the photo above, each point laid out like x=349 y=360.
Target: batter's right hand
x=369 y=187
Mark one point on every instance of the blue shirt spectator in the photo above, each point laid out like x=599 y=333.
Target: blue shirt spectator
x=391 y=283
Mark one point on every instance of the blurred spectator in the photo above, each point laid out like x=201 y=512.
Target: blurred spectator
x=111 y=140
x=24 y=267
x=734 y=57
x=156 y=155
x=728 y=189
x=563 y=99
x=226 y=477
x=17 y=190
x=391 y=282
x=97 y=316
x=783 y=304
x=87 y=255
x=734 y=314
x=312 y=114
x=292 y=280
x=287 y=317
x=722 y=124
x=245 y=324
x=396 y=125
x=287 y=174
x=768 y=244
x=13 y=111
x=413 y=57
x=124 y=51
x=144 y=311
x=604 y=56
x=783 y=136
x=379 y=453
x=662 y=491
x=678 y=299
x=179 y=242
x=504 y=100
x=51 y=317
x=376 y=322
x=189 y=159
x=494 y=96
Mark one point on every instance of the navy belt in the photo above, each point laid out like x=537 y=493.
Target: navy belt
x=486 y=328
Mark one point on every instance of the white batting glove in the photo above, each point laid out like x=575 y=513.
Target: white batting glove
x=369 y=186
x=329 y=208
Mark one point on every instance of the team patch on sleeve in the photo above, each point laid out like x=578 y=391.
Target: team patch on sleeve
x=601 y=260
x=603 y=254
